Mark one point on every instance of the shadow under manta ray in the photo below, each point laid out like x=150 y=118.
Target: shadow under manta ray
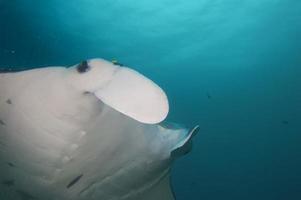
x=91 y=131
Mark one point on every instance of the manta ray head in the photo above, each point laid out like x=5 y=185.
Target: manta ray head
x=122 y=88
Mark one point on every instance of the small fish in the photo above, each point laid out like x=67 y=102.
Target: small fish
x=115 y=62
x=208 y=95
x=284 y=122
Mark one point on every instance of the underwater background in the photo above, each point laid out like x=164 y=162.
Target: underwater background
x=233 y=67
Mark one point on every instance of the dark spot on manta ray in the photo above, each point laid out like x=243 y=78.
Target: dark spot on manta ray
x=83 y=67
x=2 y=123
x=75 y=180
x=8 y=183
x=8 y=101
x=25 y=195
x=10 y=164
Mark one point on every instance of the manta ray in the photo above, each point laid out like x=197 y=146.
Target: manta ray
x=91 y=131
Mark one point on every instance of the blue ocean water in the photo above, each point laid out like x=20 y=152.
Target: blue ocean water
x=234 y=67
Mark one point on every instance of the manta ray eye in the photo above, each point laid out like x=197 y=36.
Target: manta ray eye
x=83 y=67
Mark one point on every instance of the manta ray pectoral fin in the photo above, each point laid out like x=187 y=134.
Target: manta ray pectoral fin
x=185 y=145
x=135 y=96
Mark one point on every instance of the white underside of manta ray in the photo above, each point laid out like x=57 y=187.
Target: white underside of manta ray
x=88 y=132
